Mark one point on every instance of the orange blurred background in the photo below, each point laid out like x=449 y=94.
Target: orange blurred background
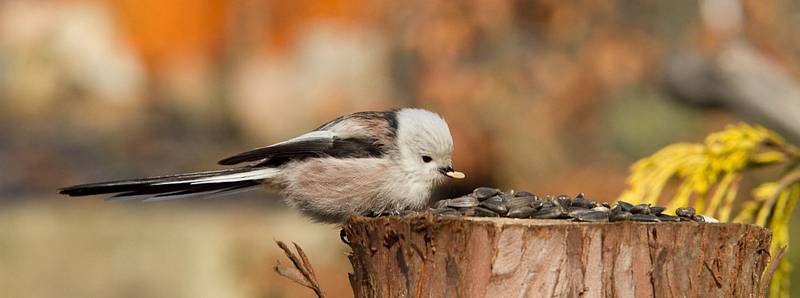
x=545 y=96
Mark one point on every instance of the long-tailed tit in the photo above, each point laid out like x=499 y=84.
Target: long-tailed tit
x=355 y=164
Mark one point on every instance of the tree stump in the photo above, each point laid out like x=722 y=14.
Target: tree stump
x=428 y=256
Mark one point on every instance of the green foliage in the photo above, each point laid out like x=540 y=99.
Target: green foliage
x=707 y=176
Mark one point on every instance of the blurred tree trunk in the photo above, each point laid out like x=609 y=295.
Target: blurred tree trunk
x=450 y=257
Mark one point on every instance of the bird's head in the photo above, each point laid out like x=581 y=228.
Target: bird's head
x=425 y=145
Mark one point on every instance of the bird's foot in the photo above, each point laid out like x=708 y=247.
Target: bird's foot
x=388 y=213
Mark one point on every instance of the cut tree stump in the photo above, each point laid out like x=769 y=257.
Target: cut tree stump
x=427 y=256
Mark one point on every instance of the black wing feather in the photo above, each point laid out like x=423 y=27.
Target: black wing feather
x=352 y=147
x=335 y=147
x=304 y=148
x=340 y=148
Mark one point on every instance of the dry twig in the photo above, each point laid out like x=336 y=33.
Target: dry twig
x=770 y=270
x=302 y=272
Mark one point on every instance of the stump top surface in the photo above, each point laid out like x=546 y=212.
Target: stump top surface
x=505 y=221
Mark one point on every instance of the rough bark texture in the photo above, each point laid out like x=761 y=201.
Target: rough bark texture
x=426 y=256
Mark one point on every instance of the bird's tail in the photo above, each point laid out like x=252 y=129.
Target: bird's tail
x=200 y=184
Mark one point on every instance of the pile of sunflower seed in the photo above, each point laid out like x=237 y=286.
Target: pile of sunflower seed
x=491 y=202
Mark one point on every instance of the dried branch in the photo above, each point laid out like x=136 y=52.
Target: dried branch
x=302 y=273
x=770 y=271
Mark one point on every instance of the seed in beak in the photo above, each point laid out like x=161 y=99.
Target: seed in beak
x=455 y=174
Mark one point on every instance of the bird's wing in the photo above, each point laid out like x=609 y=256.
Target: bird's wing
x=358 y=135
x=312 y=143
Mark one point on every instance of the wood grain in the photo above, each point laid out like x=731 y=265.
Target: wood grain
x=427 y=256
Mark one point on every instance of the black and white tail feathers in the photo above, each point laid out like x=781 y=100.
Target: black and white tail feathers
x=200 y=184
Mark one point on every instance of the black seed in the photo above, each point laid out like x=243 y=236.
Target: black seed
x=625 y=206
x=641 y=209
x=583 y=203
x=666 y=217
x=620 y=215
x=592 y=216
x=495 y=199
x=577 y=211
x=507 y=197
x=440 y=204
x=521 y=212
x=644 y=217
x=517 y=202
x=563 y=202
x=445 y=212
x=494 y=206
x=536 y=204
x=524 y=194
x=491 y=202
x=656 y=210
x=485 y=212
x=549 y=203
x=549 y=213
x=463 y=202
x=467 y=211
x=685 y=212
x=482 y=193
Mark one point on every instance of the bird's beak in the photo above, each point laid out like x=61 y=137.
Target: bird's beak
x=449 y=172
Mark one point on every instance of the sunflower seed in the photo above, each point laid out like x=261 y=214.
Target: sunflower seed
x=491 y=202
x=592 y=216
x=685 y=212
x=524 y=194
x=625 y=206
x=641 y=209
x=666 y=217
x=550 y=213
x=549 y=203
x=644 y=217
x=482 y=193
x=463 y=202
x=517 y=202
x=620 y=215
x=440 y=204
x=655 y=210
x=581 y=202
x=495 y=206
x=485 y=212
x=576 y=211
x=445 y=212
x=536 y=204
x=521 y=212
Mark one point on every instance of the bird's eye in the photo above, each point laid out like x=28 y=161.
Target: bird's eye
x=426 y=159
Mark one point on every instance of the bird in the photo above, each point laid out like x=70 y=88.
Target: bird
x=373 y=162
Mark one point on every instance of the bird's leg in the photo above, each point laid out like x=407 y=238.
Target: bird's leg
x=385 y=213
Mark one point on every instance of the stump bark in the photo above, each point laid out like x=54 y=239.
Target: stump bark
x=427 y=256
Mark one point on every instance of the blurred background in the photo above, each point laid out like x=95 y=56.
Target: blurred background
x=546 y=96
